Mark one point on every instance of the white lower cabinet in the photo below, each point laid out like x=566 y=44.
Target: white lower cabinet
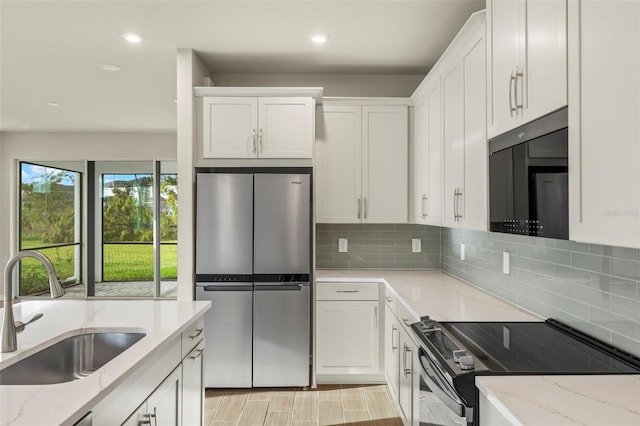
x=193 y=386
x=163 y=407
x=408 y=383
x=165 y=391
x=348 y=332
x=391 y=351
x=401 y=359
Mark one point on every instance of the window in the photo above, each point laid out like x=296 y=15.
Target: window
x=50 y=217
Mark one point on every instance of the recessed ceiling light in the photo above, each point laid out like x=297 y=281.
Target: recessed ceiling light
x=175 y=100
x=53 y=104
x=111 y=67
x=133 y=37
x=319 y=38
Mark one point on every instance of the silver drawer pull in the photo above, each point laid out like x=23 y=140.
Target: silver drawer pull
x=389 y=299
x=198 y=354
x=198 y=332
x=347 y=291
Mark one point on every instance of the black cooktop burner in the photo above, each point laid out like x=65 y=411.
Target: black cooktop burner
x=538 y=348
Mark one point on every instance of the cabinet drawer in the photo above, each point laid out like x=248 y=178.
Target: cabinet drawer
x=405 y=316
x=347 y=291
x=391 y=299
x=192 y=335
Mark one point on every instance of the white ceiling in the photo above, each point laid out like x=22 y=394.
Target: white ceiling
x=52 y=51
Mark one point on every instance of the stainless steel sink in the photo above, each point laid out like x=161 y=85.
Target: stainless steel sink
x=70 y=359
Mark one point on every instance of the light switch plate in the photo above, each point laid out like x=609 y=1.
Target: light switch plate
x=343 y=245
x=416 y=245
x=506 y=262
x=462 y=252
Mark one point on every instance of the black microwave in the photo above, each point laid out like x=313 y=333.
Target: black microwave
x=528 y=179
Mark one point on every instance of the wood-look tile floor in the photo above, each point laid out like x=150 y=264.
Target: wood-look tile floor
x=328 y=405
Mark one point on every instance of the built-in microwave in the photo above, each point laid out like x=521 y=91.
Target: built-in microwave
x=528 y=179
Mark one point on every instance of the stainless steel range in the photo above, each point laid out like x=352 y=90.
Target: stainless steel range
x=452 y=354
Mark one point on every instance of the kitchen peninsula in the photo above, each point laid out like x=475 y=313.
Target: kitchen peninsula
x=173 y=331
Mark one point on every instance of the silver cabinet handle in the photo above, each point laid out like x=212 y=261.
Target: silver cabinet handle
x=512 y=81
x=347 y=291
x=359 y=208
x=393 y=332
x=424 y=198
x=459 y=196
x=253 y=137
x=407 y=371
x=388 y=299
x=199 y=354
x=260 y=143
x=366 y=208
x=375 y=313
x=515 y=89
x=455 y=211
x=148 y=417
x=198 y=332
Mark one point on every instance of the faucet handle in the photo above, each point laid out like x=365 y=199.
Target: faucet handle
x=20 y=326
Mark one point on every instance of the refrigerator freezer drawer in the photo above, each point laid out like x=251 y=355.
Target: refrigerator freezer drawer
x=228 y=330
x=281 y=336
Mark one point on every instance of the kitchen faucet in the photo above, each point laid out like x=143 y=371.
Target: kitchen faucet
x=9 y=329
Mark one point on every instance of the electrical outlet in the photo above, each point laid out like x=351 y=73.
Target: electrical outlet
x=416 y=245
x=343 y=245
x=463 y=255
x=506 y=263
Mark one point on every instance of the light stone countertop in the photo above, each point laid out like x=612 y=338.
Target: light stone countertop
x=66 y=403
x=437 y=294
x=612 y=400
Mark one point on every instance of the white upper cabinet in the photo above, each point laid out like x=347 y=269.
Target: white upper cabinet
x=338 y=169
x=229 y=127
x=527 y=52
x=604 y=129
x=428 y=155
x=257 y=127
x=464 y=135
x=361 y=164
x=384 y=165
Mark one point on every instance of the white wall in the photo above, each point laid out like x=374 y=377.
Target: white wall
x=71 y=147
x=358 y=85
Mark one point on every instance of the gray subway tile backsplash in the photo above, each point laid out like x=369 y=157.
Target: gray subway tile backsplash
x=377 y=246
x=591 y=287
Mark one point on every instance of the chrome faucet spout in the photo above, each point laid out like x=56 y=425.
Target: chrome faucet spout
x=9 y=340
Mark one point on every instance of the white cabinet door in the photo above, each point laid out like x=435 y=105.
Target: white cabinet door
x=434 y=131
x=527 y=51
x=391 y=351
x=193 y=386
x=285 y=127
x=421 y=161
x=229 y=127
x=505 y=27
x=338 y=164
x=347 y=337
x=604 y=152
x=453 y=145
x=164 y=405
x=384 y=164
x=473 y=202
x=546 y=58
x=408 y=389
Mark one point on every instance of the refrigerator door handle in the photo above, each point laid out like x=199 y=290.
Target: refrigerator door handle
x=228 y=288
x=277 y=287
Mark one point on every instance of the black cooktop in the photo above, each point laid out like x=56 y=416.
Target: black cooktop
x=539 y=348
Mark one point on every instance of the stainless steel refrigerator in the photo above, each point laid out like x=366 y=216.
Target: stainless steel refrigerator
x=253 y=260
